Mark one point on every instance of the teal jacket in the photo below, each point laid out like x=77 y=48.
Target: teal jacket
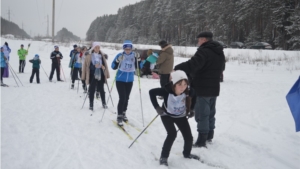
x=35 y=63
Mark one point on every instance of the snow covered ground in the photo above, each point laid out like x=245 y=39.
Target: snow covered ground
x=44 y=127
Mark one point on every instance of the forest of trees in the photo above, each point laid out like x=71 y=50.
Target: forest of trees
x=274 y=21
x=66 y=36
x=8 y=27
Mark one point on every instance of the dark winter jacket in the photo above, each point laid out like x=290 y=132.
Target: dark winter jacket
x=35 y=63
x=205 y=68
x=165 y=61
x=56 y=56
x=178 y=102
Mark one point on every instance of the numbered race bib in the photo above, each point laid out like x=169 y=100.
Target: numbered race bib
x=127 y=64
x=176 y=104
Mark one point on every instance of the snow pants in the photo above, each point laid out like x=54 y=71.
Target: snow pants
x=184 y=127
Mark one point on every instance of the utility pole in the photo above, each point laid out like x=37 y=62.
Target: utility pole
x=47 y=25
x=53 y=15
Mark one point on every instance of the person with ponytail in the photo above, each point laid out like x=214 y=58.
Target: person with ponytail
x=176 y=109
x=95 y=73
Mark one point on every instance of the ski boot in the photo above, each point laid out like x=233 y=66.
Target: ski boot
x=72 y=86
x=104 y=106
x=201 y=141
x=98 y=95
x=192 y=156
x=210 y=136
x=91 y=106
x=163 y=161
x=125 y=119
x=120 y=120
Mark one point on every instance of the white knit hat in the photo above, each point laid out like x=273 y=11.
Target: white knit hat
x=95 y=44
x=177 y=76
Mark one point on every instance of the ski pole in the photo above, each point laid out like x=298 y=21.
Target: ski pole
x=85 y=98
x=143 y=130
x=78 y=86
x=14 y=73
x=44 y=71
x=111 y=88
x=137 y=64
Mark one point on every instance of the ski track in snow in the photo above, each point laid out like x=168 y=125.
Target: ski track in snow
x=44 y=127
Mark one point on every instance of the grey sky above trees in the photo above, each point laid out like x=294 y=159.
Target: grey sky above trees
x=75 y=15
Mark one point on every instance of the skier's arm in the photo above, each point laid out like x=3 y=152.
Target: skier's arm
x=52 y=55
x=192 y=65
x=61 y=56
x=19 y=53
x=156 y=92
x=31 y=61
x=115 y=64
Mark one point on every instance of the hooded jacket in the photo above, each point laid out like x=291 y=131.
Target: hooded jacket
x=165 y=61
x=205 y=68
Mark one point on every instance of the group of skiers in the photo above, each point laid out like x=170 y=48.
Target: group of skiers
x=188 y=90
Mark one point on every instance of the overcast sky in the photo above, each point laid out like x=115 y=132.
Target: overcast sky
x=75 y=15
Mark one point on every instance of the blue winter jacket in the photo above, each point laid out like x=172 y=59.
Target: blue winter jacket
x=123 y=76
x=3 y=62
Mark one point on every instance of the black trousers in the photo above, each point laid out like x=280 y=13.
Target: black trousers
x=75 y=74
x=100 y=86
x=164 y=79
x=2 y=73
x=124 y=90
x=184 y=127
x=57 y=68
x=37 y=72
x=22 y=66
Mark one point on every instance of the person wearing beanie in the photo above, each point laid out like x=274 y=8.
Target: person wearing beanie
x=125 y=63
x=22 y=57
x=174 y=110
x=204 y=69
x=35 y=68
x=165 y=62
x=6 y=51
x=3 y=65
x=95 y=73
x=55 y=56
x=73 y=50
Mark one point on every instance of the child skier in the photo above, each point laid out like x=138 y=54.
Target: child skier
x=76 y=65
x=126 y=63
x=176 y=106
x=35 y=68
x=95 y=72
x=3 y=65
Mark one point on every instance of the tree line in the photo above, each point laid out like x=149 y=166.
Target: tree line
x=147 y=22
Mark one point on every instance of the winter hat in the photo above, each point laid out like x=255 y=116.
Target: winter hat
x=55 y=46
x=36 y=56
x=163 y=43
x=127 y=44
x=205 y=35
x=6 y=43
x=22 y=45
x=95 y=44
x=177 y=76
x=75 y=46
x=1 y=47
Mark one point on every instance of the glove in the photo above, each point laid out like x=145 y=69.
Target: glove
x=137 y=56
x=159 y=110
x=58 y=55
x=191 y=114
x=120 y=59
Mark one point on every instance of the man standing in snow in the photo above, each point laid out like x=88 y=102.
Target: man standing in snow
x=165 y=62
x=56 y=56
x=205 y=68
x=22 y=57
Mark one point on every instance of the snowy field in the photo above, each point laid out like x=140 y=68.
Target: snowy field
x=44 y=127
